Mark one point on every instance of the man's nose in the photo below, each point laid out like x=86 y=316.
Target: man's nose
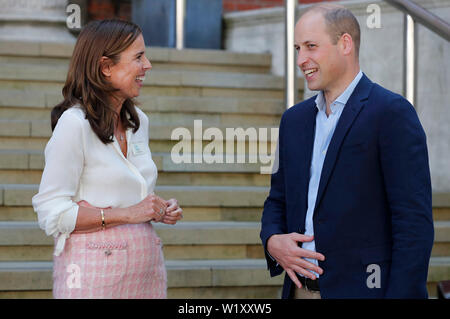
x=301 y=58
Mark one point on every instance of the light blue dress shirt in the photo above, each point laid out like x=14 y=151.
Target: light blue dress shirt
x=324 y=131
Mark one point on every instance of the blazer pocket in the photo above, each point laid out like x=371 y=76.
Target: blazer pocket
x=360 y=146
x=105 y=263
x=376 y=254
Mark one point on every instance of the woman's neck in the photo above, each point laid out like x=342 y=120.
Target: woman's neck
x=117 y=103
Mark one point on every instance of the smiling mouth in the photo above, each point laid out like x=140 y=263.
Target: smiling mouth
x=308 y=73
x=140 y=78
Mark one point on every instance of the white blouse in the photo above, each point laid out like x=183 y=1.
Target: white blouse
x=78 y=166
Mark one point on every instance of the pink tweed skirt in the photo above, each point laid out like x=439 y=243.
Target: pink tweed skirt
x=125 y=261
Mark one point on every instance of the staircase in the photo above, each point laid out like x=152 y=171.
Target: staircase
x=215 y=251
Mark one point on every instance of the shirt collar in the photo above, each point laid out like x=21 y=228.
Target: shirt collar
x=343 y=98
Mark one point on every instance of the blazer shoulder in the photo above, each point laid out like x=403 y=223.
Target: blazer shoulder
x=300 y=107
x=387 y=99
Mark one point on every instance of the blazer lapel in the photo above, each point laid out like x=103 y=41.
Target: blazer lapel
x=302 y=154
x=351 y=110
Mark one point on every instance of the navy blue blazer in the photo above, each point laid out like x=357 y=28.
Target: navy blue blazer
x=374 y=199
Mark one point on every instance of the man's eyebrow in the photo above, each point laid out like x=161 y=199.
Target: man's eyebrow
x=304 y=43
x=140 y=52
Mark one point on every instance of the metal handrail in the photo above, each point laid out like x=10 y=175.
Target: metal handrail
x=289 y=57
x=415 y=13
x=180 y=11
x=424 y=17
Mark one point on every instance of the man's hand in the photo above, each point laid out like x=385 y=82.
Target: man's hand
x=289 y=255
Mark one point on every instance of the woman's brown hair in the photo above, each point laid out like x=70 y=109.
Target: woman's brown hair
x=87 y=86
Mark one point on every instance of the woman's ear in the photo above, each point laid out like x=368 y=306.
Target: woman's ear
x=105 y=66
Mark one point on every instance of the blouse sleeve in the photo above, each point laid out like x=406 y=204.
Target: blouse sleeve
x=64 y=160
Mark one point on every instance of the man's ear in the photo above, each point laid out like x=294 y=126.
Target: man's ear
x=105 y=66
x=346 y=44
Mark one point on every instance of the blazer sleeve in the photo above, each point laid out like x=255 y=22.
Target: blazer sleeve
x=404 y=161
x=64 y=160
x=273 y=219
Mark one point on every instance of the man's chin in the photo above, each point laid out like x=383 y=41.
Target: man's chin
x=313 y=87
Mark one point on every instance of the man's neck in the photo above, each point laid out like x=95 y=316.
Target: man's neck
x=330 y=95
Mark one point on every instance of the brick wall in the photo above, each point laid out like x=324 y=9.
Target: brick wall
x=240 y=5
x=108 y=9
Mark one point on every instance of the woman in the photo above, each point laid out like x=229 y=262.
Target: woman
x=96 y=194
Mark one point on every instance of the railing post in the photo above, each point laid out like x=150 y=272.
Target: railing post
x=179 y=17
x=409 y=60
x=289 y=61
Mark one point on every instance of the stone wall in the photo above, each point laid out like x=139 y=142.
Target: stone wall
x=34 y=20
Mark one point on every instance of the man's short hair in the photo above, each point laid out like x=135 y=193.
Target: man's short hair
x=339 y=20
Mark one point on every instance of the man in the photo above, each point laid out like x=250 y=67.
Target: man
x=349 y=209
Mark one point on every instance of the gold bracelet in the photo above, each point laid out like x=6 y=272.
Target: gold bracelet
x=103 y=219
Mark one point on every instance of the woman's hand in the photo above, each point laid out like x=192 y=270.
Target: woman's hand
x=151 y=208
x=173 y=212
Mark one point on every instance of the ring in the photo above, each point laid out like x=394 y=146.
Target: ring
x=161 y=212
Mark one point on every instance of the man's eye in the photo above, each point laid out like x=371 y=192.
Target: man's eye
x=311 y=45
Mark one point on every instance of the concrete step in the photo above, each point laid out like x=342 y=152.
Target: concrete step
x=23 y=96
x=186 y=279
x=441 y=247
x=439 y=270
x=161 y=58
x=203 y=196
x=25 y=241
x=157 y=130
x=441 y=213
x=170 y=78
x=441 y=206
x=17 y=134
x=190 y=213
x=19 y=99
x=239 y=151
x=183 y=278
x=202 y=177
x=165 y=121
x=186 y=240
x=25 y=167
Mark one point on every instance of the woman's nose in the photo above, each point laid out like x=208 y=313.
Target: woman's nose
x=147 y=64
